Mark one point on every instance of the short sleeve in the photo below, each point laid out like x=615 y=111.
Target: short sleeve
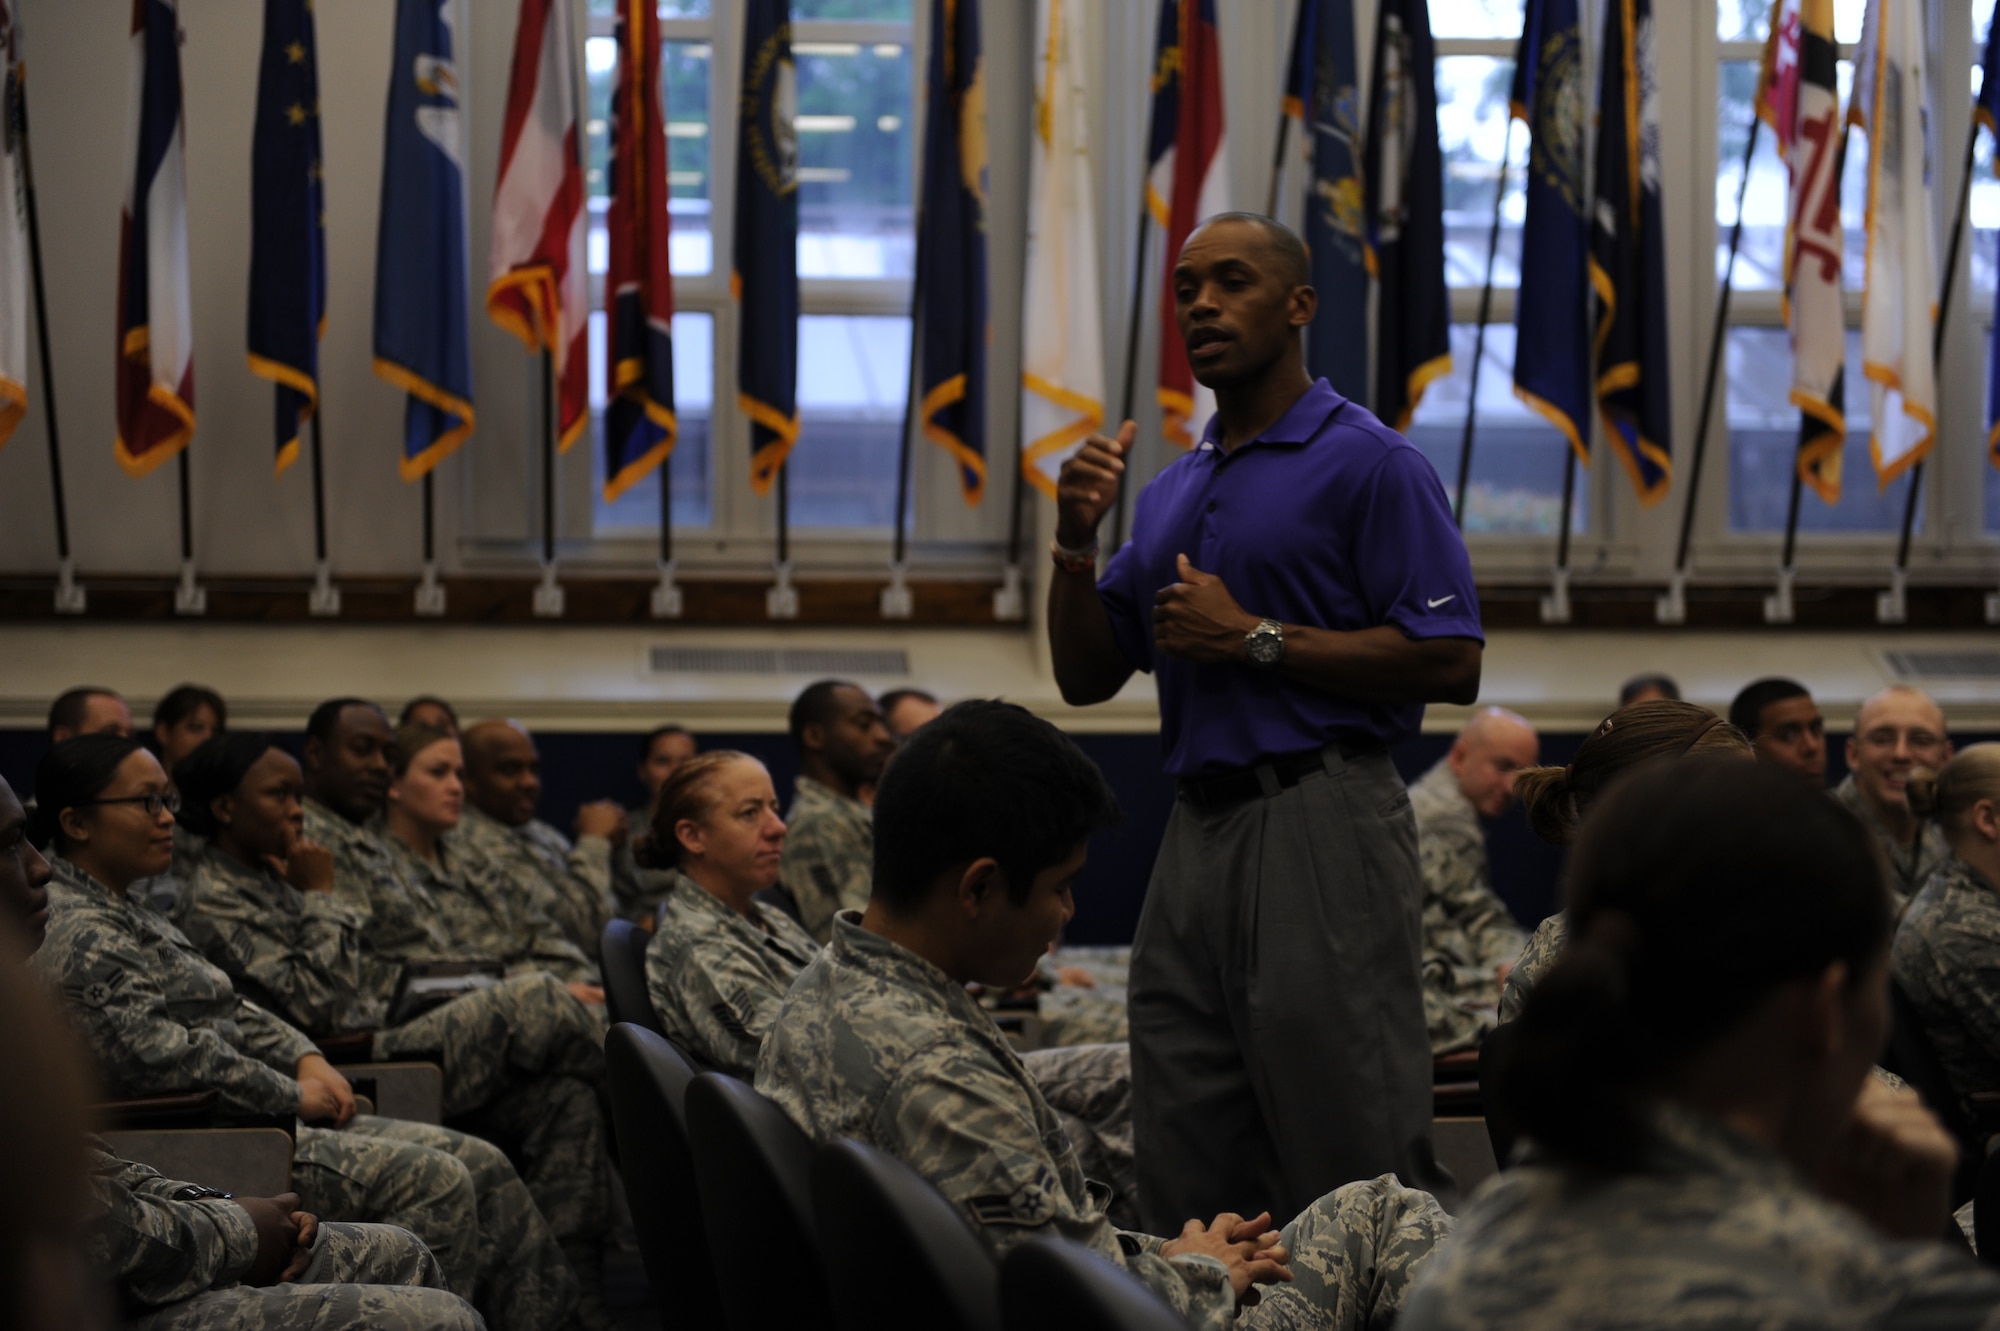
x=1408 y=555
x=1126 y=604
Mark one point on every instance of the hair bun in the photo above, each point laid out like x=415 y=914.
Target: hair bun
x=1922 y=789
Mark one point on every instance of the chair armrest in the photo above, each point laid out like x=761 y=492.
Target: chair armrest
x=1462 y=1065
x=1022 y=1029
x=412 y=1091
x=1988 y=1101
x=250 y=1162
x=1457 y=1099
x=346 y=1046
x=184 y=1109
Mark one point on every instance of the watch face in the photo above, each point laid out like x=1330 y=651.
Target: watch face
x=1266 y=648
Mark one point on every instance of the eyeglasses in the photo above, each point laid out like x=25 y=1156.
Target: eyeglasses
x=152 y=803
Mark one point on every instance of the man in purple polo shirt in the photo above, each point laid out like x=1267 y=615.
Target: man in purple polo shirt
x=1297 y=587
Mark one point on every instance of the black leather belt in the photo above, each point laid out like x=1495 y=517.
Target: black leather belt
x=1225 y=790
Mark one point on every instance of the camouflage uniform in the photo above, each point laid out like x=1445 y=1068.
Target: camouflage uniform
x=1931 y=852
x=1946 y=957
x=1468 y=932
x=716 y=978
x=829 y=862
x=163 y=890
x=571 y=885
x=177 y=1264
x=1541 y=952
x=523 y=1057
x=1712 y=1231
x=1073 y=1015
x=875 y=1043
x=485 y=916
x=639 y=892
x=161 y=1018
x=403 y=920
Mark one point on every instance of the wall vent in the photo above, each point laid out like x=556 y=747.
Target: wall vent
x=777 y=661
x=1943 y=664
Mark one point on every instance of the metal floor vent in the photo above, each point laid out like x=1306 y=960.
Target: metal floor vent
x=777 y=661
x=1944 y=664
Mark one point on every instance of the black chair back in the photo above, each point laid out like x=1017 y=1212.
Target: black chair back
x=1496 y=1051
x=649 y=1082
x=622 y=955
x=1052 y=1285
x=867 y=1203
x=1911 y=1056
x=754 y=1168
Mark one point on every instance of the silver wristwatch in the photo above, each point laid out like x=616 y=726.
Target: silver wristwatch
x=1265 y=644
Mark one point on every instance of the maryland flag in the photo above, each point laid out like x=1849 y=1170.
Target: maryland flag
x=1891 y=104
x=1187 y=179
x=639 y=424
x=1062 y=348
x=951 y=246
x=1321 y=94
x=1552 y=311
x=766 y=281
x=155 y=392
x=287 y=221
x=540 y=288
x=13 y=230
x=1986 y=111
x=1627 y=264
x=1404 y=168
x=1798 y=98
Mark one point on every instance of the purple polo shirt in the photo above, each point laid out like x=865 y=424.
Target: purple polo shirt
x=1330 y=519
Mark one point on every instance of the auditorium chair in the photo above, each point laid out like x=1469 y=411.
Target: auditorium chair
x=649 y=1081
x=411 y=1089
x=622 y=953
x=868 y=1203
x=1495 y=1052
x=1055 y=1285
x=189 y=1136
x=754 y=1168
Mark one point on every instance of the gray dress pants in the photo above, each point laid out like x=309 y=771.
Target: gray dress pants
x=1278 y=1042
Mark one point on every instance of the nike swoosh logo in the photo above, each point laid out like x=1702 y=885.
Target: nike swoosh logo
x=1441 y=600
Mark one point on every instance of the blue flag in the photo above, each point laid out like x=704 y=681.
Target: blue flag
x=951 y=246
x=1552 y=312
x=287 y=220
x=1321 y=93
x=422 y=339
x=1404 y=168
x=766 y=281
x=1626 y=262
x=1986 y=111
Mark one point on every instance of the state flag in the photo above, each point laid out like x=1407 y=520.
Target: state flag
x=1187 y=179
x=765 y=282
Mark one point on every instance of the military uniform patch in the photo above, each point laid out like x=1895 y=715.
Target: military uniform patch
x=1031 y=1204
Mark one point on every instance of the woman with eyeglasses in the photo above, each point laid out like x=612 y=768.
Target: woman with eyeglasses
x=162 y=1019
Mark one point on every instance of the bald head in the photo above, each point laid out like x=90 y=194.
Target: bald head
x=503 y=771
x=1281 y=249
x=1895 y=732
x=1494 y=746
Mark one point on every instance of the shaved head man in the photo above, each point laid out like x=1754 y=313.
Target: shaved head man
x=88 y=710
x=1895 y=732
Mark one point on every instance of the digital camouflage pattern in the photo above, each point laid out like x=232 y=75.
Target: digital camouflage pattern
x=1908 y=869
x=1468 y=932
x=716 y=978
x=875 y=1043
x=1077 y=1015
x=483 y=915
x=403 y=920
x=1090 y=1088
x=829 y=862
x=570 y=885
x=1545 y=945
x=638 y=890
x=1712 y=1231
x=1947 y=959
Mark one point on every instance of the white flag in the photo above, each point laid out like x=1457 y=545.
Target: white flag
x=1062 y=352
x=1891 y=104
x=13 y=236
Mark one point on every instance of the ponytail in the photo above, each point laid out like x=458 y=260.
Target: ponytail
x=1557 y=798
x=1545 y=796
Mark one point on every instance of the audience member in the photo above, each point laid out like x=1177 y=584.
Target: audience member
x=1558 y=798
x=88 y=710
x=522 y=1059
x=569 y=884
x=1897 y=731
x=842 y=744
x=1784 y=726
x=986 y=818
x=427 y=709
x=641 y=874
x=1470 y=938
x=186 y=716
x=1648 y=688
x=1706 y=1145
x=661 y=753
x=904 y=710
x=161 y=1018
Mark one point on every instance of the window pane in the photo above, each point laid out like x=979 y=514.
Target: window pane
x=855 y=169
x=1985 y=208
x=1475 y=19
x=684 y=72
x=694 y=396
x=1989 y=472
x=806 y=10
x=1472 y=128
x=667 y=8
x=1764 y=437
x=1982 y=19
x=853 y=376
x=1517 y=456
x=1750 y=20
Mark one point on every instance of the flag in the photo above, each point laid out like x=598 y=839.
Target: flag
x=1062 y=349
x=155 y=393
x=639 y=424
x=1404 y=168
x=1797 y=96
x=766 y=280
x=1551 y=313
x=287 y=221
x=539 y=285
x=423 y=339
x=1986 y=111
x=1187 y=179
x=13 y=229
x=1890 y=102
x=1321 y=94
x=951 y=246
x=1627 y=262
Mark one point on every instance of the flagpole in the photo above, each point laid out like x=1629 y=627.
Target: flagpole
x=1132 y=364
x=189 y=598
x=430 y=593
x=548 y=596
x=69 y=596
x=895 y=600
x=325 y=598
x=1555 y=606
x=1278 y=156
x=1479 y=333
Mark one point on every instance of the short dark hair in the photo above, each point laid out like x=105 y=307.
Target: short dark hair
x=656 y=734
x=1746 y=713
x=320 y=725
x=184 y=700
x=67 y=711
x=985 y=778
x=1295 y=263
x=74 y=772
x=814 y=707
x=1638 y=684
x=887 y=702
x=216 y=767
x=403 y=718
